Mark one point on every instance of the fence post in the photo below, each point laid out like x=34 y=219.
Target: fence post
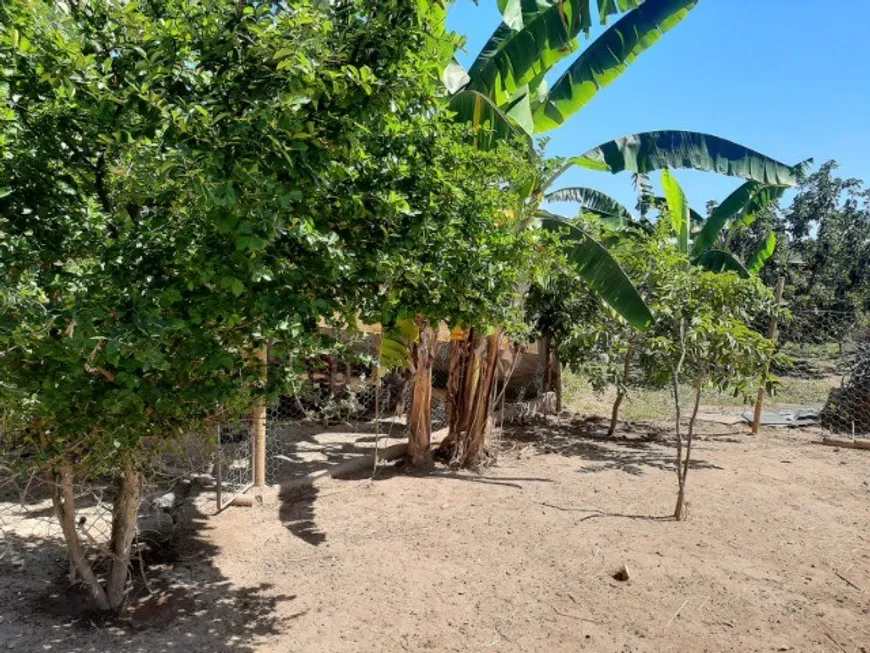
x=259 y=431
x=771 y=333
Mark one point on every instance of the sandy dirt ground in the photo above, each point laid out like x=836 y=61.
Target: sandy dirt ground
x=775 y=556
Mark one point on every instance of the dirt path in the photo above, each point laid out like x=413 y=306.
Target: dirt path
x=775 y=557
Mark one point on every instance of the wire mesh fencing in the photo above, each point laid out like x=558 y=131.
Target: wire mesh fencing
x=341 y=410
x=826 y=374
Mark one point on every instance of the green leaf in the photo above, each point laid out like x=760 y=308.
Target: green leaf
x=4 y=192
x=716 y=260
x=608 y=57
x=650 y=151
x=600 y=270
x=762 y=255
x=591 y=200
x=490 y=123
x=526 y=48
x=236 y=287
x=735 y=203
x=513 y=10
x=454 y=77
x=608 y=8
x=763 y=197
x=678 y=207
x=519 y=111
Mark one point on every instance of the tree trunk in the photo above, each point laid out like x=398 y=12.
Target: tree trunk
x=547 y=354
x=479 y=384
x=420 y=419
x=125 y=513
x=679 y=511
x=557 y=377
x=63 y=500
x=620 y=395
x=675 y=381
x=457 y=368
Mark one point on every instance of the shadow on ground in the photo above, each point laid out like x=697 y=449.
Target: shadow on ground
x=178 y=600
x=633 y=450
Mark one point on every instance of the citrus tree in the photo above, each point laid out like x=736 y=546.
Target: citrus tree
x=182 y=184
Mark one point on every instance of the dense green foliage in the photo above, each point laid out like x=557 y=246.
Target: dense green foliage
x=823 y=252
x=184 y=182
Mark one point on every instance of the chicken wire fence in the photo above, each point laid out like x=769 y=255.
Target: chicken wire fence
x=178 y=484
x=826 y=374
x=338 y=411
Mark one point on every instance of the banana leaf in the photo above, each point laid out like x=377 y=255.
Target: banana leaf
x=592 y=200
x=717 y=260
x=762 y=255
x=490 y=123
x=608 y=57
x=594 y=264
x=650 y=151
x=678 y=207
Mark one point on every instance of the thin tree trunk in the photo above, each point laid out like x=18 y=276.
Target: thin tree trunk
x=557 y=376
x=678 y=511
x=675 y=380
x=481 y=423
x=63 y=500
x=620 y=395
x=420 y=419
x=124 y=522
x=457 y=368
x=691 y=433
x=546 y=353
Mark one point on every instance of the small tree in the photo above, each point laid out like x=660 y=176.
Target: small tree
x=702 y=337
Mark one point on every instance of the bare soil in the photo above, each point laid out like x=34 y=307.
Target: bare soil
x=775 y=556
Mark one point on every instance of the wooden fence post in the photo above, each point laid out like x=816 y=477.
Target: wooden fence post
x=259 y=431
x=771 y=333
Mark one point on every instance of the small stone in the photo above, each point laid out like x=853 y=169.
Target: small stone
x=623 y=575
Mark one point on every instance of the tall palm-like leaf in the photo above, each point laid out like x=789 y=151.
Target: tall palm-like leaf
x=593 y=201
x=732 y=205
x=650 y=151
x=515 y=11
x=608 y=57
x=762 y=255
x=524 y=49
x=763 y=197
x=490 y=123
x=678 y=207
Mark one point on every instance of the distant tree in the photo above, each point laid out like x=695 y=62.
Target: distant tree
x=823 y=251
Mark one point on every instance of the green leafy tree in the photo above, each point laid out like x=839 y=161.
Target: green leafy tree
x=703 y=338
x=184 y=184
x=823 y=253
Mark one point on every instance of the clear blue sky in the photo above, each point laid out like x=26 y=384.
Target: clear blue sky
x=786 y=77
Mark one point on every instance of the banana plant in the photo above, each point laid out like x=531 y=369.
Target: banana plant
x=505 y=91
x=704 y=240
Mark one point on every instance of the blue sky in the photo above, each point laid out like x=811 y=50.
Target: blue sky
x=786 y=77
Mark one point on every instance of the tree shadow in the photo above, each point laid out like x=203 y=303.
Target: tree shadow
x=637 y=449
x=297 y=514
x=178 y=599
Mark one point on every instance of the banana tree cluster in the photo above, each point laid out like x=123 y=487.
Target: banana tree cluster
x=506 y=96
